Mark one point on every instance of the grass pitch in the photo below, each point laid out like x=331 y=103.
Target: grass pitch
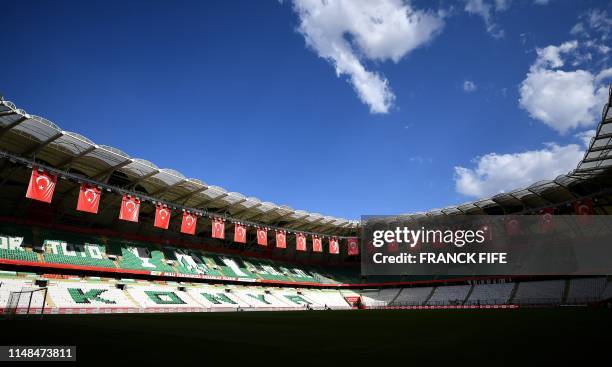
x=505 y=337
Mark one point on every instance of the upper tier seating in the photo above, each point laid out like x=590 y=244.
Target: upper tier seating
x=16 y=243
x=77 y=253
x=11 y=248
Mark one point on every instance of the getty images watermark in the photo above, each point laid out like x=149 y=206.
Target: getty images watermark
x=487 y=245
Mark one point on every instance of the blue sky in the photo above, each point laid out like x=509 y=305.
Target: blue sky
x=342 y=108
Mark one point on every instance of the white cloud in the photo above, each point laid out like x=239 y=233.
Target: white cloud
x=348 y=32
x=585 y=137
x=469 y=86
x=495 y=173
x=563 y=100
x=542 y=2
x=485 y=10
x=550 y=56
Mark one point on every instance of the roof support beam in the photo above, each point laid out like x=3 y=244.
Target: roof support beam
x=5 y=129
x=39 y=147
x=142 y=178
x=68 y=162
x=105 y=174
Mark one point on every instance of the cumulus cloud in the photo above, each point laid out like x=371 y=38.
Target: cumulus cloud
x=563 y=100
x=495 y=173
x=485 y=10
x=349 y=32
x=469 y=86
x=585 y=137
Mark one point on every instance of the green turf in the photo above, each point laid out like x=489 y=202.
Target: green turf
x=504 y=337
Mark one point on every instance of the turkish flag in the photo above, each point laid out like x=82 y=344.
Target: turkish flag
x=218 y=228
x=130 y=207
x=584 y=210
x=333 y=246
x=262 y=236
x=353 y=246
x=162 y=217
x=281 y=239
x=189 y=223
x=300 y=242
x=546 y=219
x=89 y=199
x=239 y=233
x=513 y=227
x=41 y=187
x=317 y=246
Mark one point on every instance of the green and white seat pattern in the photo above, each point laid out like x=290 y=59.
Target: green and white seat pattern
x=85 y=254
x=161 y=296
x=11 y=248
x=89 y=251
x=192 y=262
x=73 y=294
x=216 y=297
x=143 y=257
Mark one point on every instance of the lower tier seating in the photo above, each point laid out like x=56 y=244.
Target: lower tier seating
x=540 y=292
x=103 y=295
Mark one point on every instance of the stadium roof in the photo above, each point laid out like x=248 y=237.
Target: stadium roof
x=591 y=176
x=35 y=137
x=32 y=136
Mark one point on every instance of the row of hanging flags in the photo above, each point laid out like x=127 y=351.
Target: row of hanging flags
x=42 y=186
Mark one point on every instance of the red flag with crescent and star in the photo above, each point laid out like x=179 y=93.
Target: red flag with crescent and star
x=281 y=239
x=162 y=216
x=546 y=219
x=239 y=233
x=353 y=246
x=41 y=186
x=130 y=206
x=218 y=228
x=89 y=199
x=333 y=246
x=188 y=225
x=317 y=246
x=262 y=236
x=300 y=242
x=513 y=226
x=584 y=211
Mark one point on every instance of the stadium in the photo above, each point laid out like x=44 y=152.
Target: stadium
x=133 y=263
x=57 y=261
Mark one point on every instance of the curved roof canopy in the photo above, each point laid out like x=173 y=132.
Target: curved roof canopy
x=35 y=137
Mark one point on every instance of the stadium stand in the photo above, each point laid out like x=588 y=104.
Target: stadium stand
x=109 y=295
x=540 y=292
x=414 y=296
x=454 y=295
x=585 y=289
x=607 y=292
x=72 y=294
x=491 y=293
x=174 y=272
x=95 y=252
